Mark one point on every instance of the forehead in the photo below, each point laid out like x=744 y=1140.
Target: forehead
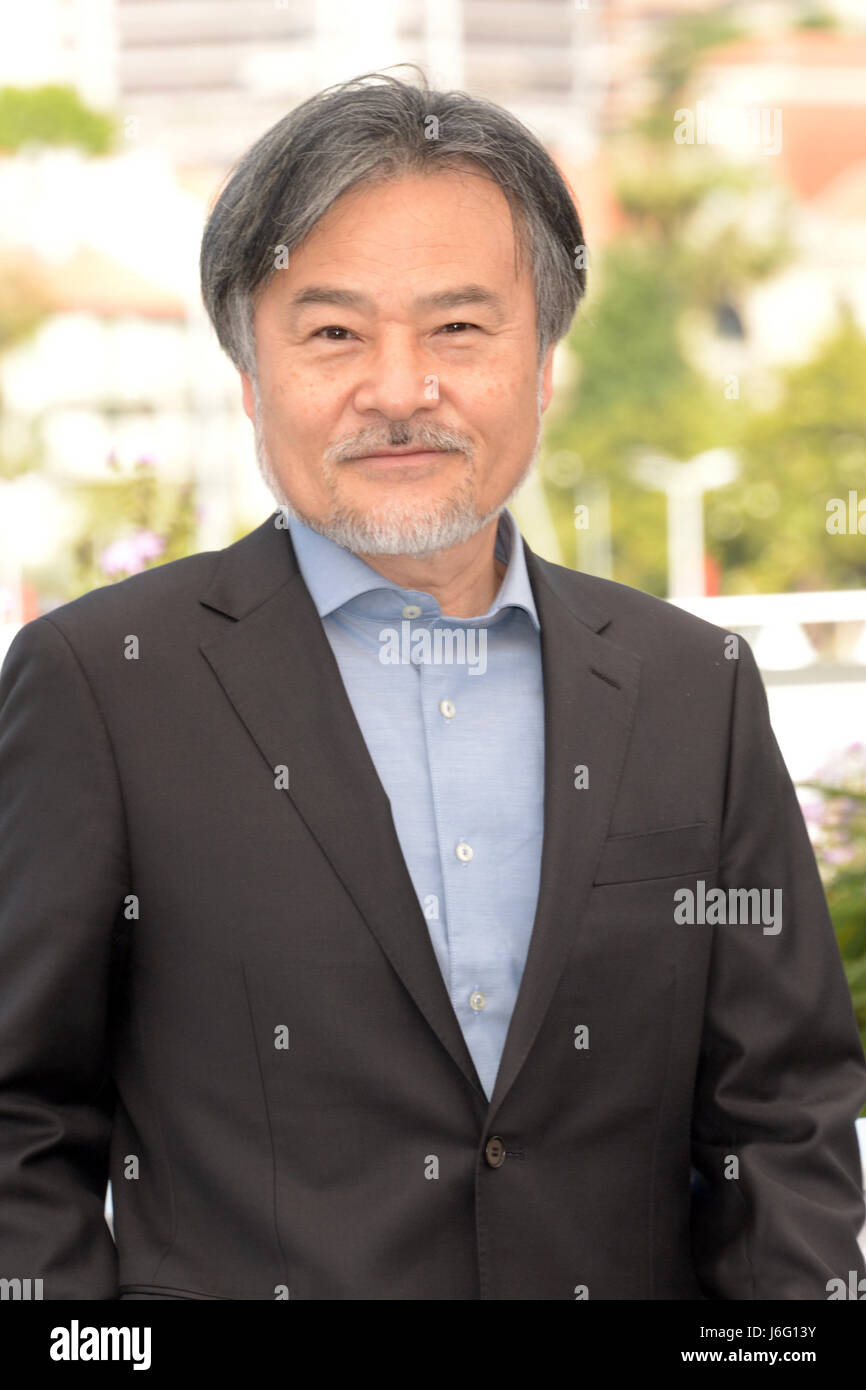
x=454 y=224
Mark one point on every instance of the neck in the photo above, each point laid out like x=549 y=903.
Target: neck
x=464 y=579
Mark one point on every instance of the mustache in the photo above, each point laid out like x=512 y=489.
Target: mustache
x=400 y=435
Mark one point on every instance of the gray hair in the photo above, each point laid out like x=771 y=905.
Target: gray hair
x=370 y=128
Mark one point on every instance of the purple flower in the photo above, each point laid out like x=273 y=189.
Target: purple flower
x=841 y=854
x=130 y=554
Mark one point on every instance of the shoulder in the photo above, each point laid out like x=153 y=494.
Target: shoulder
x=164 y=589
x=631 y=617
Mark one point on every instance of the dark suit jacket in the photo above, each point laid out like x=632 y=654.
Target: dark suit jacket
x=169 y=915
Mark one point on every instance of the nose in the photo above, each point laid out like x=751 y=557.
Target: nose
x=395 y=379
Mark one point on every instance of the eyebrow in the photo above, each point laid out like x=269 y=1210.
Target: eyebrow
x=438 y=299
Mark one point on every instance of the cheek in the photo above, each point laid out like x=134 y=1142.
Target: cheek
x=299 y=406
x=509 y=381
x=504 y=411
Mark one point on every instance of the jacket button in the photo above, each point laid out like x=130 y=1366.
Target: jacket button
x=494 y=1152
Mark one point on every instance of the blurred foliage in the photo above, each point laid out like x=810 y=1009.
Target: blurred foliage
x=686 y=37
x=840 y=840
x=636 y=390
x=816 y=17
x=137 y=513
x=769 y=530
x=52 y=115
x=666 y=311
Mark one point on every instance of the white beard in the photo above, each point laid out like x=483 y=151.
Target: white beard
x=393 y=527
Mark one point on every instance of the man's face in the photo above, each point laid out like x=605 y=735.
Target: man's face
x=399 y=387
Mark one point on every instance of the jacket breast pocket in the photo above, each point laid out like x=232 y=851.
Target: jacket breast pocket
x=657 y=854
x=140 y=1291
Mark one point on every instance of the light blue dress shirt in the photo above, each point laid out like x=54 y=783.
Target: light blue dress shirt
x=452 y=711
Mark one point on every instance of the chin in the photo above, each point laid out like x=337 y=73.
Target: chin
x=404 y=529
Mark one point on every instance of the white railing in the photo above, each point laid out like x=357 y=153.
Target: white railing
x=775 y=627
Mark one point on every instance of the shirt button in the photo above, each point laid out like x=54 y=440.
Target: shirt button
x=447 y=708
x=477 y=1001
x=494 y=1152
x=464 y=852
x=411 y=611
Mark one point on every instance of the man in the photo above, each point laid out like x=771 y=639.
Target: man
x=346 y=871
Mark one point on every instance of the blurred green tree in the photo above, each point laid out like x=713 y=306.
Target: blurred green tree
x=770 y=530
x=52 y=115
x=665 y=311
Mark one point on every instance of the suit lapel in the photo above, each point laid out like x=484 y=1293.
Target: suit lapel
x=276 y=666
x=590 y=692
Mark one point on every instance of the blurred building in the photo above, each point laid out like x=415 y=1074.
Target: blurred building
x=200 y=81
x=816 y=82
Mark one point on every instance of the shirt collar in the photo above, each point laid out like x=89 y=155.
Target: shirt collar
x=335 y=576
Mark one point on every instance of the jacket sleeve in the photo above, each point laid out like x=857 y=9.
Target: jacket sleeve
x=63 y=867
x=782 y=1074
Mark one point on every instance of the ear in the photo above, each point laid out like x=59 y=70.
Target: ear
x=547 y=377
x=247 y=395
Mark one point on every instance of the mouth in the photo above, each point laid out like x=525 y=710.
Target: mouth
x=385 y=459
x=398 y=453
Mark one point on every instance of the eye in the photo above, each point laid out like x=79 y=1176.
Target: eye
x=446 y=328
x=329 y=329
